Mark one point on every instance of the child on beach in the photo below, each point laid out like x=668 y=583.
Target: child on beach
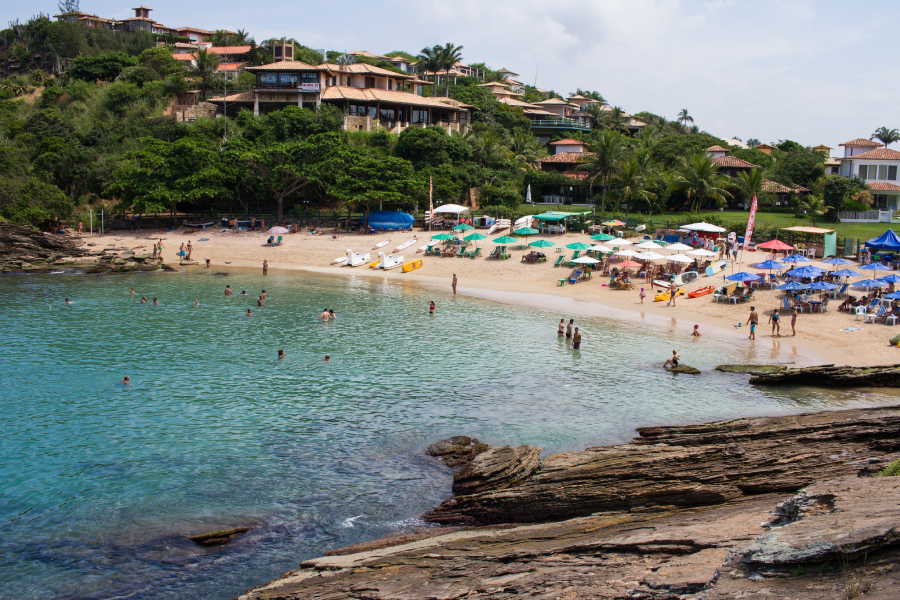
x=642 y=295
x=673 y=362
x=696 y=331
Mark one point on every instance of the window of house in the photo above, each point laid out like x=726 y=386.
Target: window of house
x=370 y=82
x=357 y=110
x=419 y=116
x=387 y=114
x=892 y=173
x=882 y=171
x=268 y=78
x=287 y=79
x=309 y=78
x=863 y=171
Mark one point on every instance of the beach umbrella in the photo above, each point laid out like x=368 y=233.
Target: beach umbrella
x=600 y=248
x=838 y=262
x=805 y=271
x=526 y=231
x=678 y=247
x=621 y=242
x=823 y=285
x=768 y=264
x=875 y=266
x=846 y=273
x=869 y=283
x=613 y=223
x=701 y=252
x=680 y=258
x=278 y=230
x=578 y=246
x=892 y=296
x=602 y=237
x=775 y=245
x=586 y=260
x=474 y=237
x=792 y=286
x=506 y=239
x=462 y=227
x=629 y=253
x=795 y=258
x=742 y=276
x=648 y=245
x=629 y=264
x=443 y=237
x=892 y=278
x=650 y=256
x=541 y=244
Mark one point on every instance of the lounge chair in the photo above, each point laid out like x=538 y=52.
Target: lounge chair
x=786 y=304
x=574 y=277
x=495 y=253
x=475 y=253
x=271 y=241
x=448 y=252
x=278 y=241
x=843 y=290
x=559 y=260
x=577 y=252
x=873 y=317
x=462 y=252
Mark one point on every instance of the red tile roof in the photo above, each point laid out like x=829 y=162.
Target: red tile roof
x=288 y=65
x=229 y=50
x=883 y=186
x=731 y=161
x=340 y=92
x=566 y=157
x=775 y=187
x=799 y=188
x=716 y=148
x=862 y=142
x=568 y=142
x=876 y=154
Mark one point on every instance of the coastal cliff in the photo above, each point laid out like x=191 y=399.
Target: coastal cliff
x=745 y=508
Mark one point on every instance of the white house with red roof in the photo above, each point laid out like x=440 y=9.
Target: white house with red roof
x=877 y=166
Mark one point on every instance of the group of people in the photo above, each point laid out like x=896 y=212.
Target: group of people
x=774 y=321
x=571 y=332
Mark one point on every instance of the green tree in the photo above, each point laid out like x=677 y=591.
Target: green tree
x=160 y=59
x=370 y=178
x=886 y=136
x=607 y=151
x=431 y=60
x=802 y=166
x=68 y=6
x=684 y=118
x=814 y=204
x=835 y=192
x=699 y=179
x=630 y=184
x=752 y=183
x=205 y=67
x=105 y=67
x=32 y=201
x=449 y=56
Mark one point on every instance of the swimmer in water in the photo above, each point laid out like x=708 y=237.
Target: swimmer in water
x=325 y=316
x=68 y=301
x=431 y=307
x=327 y=358
x=259 y=301
x=155 y=302
x=264 y=295
x=125 y=381
x=228 y=290
x=132 y=291
x=143 y=299
x=331 y=313
x=196 y=302
x=281 y=354
x=249 y=314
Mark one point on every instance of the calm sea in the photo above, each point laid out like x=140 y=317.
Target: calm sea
x=99 y=483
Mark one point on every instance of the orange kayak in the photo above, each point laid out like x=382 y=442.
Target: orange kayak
x=702 y=291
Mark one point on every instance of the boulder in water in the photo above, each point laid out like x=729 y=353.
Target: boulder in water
x=217 y=538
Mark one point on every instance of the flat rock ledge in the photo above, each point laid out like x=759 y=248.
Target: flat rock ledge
x=830 y=375
x=737 y=550
x=751 y=369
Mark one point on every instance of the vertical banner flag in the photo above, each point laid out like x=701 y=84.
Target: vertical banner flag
x=750 y=223
x=430 y=203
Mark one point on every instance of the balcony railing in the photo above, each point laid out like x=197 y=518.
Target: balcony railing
x=561 y=123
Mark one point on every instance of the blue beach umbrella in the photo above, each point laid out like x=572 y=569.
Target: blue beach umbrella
x=792 y=286
x=892 y=278
x=805 y=271
x=795 y=258
x=869 y=283
x=822 y=285
x=743 y=276
x=892 y=296
x=838 y=262
x=876 y=266
x=769 y=264
x=846 y=273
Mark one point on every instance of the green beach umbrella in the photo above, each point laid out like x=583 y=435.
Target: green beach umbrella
x=463 y=227
x=526 y=231
x=578 y=246
x=506 y=239
x=542 y=244
x=443 y=236
x=603 y=237
x=474 y=237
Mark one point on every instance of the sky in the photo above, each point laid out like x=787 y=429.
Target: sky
x=816 y=72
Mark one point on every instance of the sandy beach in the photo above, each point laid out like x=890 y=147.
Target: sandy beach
x=820 y=336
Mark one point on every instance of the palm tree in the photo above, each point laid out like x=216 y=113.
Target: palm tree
x=346 y=59
x=490 y=149
x=886 y=136
x=815 y=206
x=239 y=38
x=450 y=55
x=684 y=118
x=699 y=178
x=606 y=154
x=526 y=150
x=753 y=142
x=615 y=118
x=630 y=183
x=753 y=182
x=205 y=65
x=431 y=61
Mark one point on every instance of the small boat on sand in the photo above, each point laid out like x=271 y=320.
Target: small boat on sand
x=356 y=259
x=406 y=245
x=339 y=261
x=702 y=291
x=685 y=278
x=389 y=262
x=413 y=265
x=381 y=244
x=662 y=284
x=499 y=225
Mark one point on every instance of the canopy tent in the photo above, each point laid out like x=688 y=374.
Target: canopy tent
x=807 y=229
x=886 y=241
x=554 y=216
x=453 y=209
x=704 y=227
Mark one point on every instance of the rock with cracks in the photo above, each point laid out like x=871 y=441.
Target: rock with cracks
x=830 y=375
x=497 y=468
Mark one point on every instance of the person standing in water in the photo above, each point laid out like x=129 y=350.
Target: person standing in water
x=642 y=295
x=143 y=299
x=155 y=302
x=753 y=319
x=249 y=313
x=264 y=295
x=280 y=354
x=259 y=301
x=673 y=291
x=773 y=319
x=793 y=321
x=131 y=292
x=324 y=315
x=207 y=263
x=576 y=340
x=265 y=267
x=431 y=307
x=327 y=358
x=197 y=303
x=562 y=328
x=453 y=285
x=331 y=314
x=569 y=328
x=228 y=290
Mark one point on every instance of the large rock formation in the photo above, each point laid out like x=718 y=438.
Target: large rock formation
x=680 y=466
x=723 y=552
x=830 y=375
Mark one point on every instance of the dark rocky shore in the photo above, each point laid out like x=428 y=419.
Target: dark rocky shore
x=781 y=507
x=27 y=250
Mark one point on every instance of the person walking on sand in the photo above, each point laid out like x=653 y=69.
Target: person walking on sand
x=672 y=362
x=776 y=328
x=673 y=290
x=576 y=340
x=569 y=328
x=207 y=263
x=562 y=328
x=181 y=252
x=265 y=267
x=793 y=321
x=753 y=319
x=642 y=295
x=453 y=285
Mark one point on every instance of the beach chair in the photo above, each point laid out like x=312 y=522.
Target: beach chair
x=577 y=252
x=786 y=304
x=271 y=240
x=495 y=253
x=559 y=261
x=475 y=253
x=873 y=317
x=843 y=290
x=278 y=241
x=574 y=277
x=462 y=252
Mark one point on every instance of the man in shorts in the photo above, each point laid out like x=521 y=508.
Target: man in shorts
x=753 y=319
x=576 y=340
x=569 y=328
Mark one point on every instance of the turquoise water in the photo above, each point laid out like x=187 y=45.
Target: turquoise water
x=100 y=482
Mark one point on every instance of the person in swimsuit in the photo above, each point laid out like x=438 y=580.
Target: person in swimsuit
x=196 y=302
x=228 y=290
x=453 y=285
x=753 y=319
x=243 y=292
x=327 y=358
x=569 y=328
x=280 y=354
x=143 y=299
x=642 y=295
x=431 y=307
x=259 y=301
x=793 y=321
x=265 y=267
x=190 y=250
x=696 y=331
x=264 y=295
x=181 y=252
x=324 y=315
x=672 y=292
x=562 y=328
x=576 y=340
x=207 y=263
x=67 y=301
x=672 y=362
x=773 y=319
x=131 y=292
x=155 y=302
x=331 y=314
x=249 y=314
x=125 y=380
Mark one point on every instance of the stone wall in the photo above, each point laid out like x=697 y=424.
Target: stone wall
x=201 y=110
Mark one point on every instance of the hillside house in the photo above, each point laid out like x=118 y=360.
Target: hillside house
x=567 y=154
x=877 y=166
x=728 y=165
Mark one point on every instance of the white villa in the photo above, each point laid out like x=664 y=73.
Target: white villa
x=875 y=165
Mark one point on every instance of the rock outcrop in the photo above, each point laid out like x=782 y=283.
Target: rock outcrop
x=751 y=369
x=456 y=451
x=497 y=469
x=830 y=375
x=217 y=538
x=709 y=553
x=680 y=466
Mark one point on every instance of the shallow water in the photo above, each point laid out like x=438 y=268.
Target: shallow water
x=100 y=482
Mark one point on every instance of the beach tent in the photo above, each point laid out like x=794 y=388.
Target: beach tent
x=453 y=209
x=704 y=227
x=381 y=220
x=888 y=240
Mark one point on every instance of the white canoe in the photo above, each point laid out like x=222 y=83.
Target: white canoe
x=406 y=245
x=381 y=244
x=526 y=221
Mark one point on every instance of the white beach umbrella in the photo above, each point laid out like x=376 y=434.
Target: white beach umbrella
x=629 y=253
x=648 y=245
x=619 y=243
x=649 y=256
x=600 y=248
x=678 y=247
x=679 y=258
x=701 y=252
x=586 y=260
x=705 y=227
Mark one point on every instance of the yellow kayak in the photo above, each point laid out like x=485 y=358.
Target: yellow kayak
x=411 y=266
x=664 y=296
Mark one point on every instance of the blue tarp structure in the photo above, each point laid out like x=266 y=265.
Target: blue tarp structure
x=387 y=220
x=886 y=241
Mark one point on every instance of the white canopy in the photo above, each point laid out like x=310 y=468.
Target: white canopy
x=701 y=252
x=650 y=255
x=619 y=242
x=600 y=248
x=455 y=209
x=705 y=227
x=586 y=260
x=629 y=253
x=678 y=247
x=680 y=259
x=648 y=245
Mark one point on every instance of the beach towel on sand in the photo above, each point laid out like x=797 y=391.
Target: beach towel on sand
x=848 y=329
